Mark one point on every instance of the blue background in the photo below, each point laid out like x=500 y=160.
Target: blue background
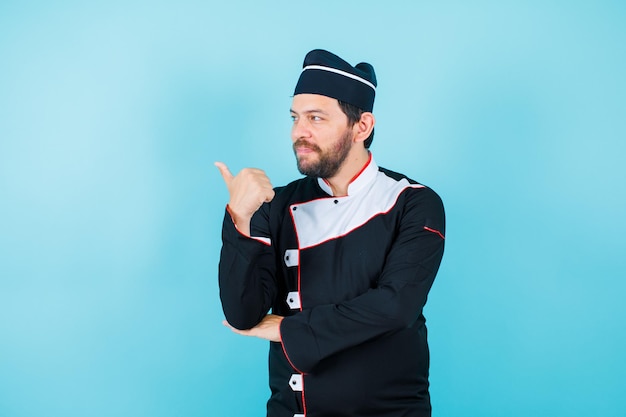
x=112 y=114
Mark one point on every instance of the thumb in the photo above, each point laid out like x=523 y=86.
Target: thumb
x=226 y=174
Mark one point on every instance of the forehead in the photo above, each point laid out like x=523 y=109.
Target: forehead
x=303 y=103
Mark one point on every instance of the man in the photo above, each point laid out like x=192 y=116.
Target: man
x=344 y=257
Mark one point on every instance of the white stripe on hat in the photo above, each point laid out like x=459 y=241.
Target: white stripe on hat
x=340 y=72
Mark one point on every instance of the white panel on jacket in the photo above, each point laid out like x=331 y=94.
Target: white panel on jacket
x=329 y=218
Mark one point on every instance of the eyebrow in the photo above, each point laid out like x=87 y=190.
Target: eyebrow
x=309 y=111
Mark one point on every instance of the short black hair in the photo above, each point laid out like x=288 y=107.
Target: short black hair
x=354 y=115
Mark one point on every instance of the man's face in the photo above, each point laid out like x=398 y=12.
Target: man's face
x=321 y=136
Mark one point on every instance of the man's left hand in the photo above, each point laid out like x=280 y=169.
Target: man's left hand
x=268 y=328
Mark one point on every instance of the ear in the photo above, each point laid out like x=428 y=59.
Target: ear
x=363 y=128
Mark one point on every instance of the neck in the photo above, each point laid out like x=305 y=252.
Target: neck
x=354 y=163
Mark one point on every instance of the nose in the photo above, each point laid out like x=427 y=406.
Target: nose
x=300 y=129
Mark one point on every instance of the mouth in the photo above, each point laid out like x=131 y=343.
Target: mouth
x=304 y=148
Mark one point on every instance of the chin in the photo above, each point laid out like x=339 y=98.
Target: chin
x=307 y=162
x=307 y=169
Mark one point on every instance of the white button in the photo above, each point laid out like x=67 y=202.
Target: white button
x=293 y=300
x=296 y=382
x=291 y=257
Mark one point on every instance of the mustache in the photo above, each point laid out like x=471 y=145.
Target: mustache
x=302 y=142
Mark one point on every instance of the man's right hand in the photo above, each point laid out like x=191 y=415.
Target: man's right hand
x=248 y=191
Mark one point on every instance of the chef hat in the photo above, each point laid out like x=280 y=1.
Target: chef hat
x=326 y=74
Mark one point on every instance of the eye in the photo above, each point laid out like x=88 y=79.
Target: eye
x=316 y=118
x=293 y=118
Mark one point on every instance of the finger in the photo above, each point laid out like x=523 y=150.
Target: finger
x=270 y=196
x=235 y=330
x=226 y=174
x=227 y=324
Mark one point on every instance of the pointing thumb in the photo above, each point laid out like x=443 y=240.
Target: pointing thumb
x=226 y=174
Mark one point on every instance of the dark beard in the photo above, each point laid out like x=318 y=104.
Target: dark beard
x=330 y=161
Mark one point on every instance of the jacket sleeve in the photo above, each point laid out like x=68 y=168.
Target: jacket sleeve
x=395 y=303
x=247 y=271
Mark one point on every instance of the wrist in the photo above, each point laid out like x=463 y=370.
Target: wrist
x=241 y=221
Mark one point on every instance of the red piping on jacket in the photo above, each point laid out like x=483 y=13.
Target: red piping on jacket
x=362 y=169
x=434 y=231
x=293 y=220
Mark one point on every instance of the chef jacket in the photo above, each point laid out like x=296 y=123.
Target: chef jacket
x=351 y=275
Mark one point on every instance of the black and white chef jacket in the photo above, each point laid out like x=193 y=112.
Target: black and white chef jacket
x=351 y=275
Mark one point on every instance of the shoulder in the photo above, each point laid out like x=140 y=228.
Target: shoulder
x=419 y=201
x=414 y=189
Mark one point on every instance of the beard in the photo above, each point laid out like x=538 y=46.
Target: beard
x=330 y=160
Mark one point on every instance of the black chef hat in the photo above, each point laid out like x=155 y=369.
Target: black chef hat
x=326 y=74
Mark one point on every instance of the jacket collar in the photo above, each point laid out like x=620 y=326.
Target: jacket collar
x=361 y=181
